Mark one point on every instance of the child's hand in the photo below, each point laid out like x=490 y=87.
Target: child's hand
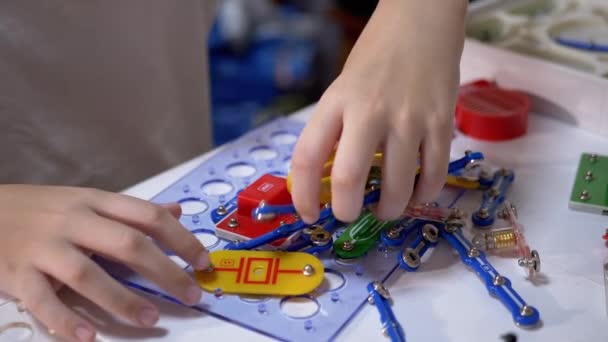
x=47 y=232
x=396 y=93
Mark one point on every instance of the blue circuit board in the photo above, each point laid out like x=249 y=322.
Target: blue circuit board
x=320 y=315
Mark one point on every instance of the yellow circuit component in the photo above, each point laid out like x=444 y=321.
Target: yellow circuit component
x=271 y=273
x=325 y=191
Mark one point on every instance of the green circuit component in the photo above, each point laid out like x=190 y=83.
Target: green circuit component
x=360 y=236
x=590 y=189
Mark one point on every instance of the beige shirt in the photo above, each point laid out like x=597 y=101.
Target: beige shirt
x=101 y=93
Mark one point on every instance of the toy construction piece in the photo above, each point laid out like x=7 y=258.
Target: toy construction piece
x=427 y=237
x=590 y=189
x=379 y=295
x=375 y=174
x=240 y=219
x=498 y=285
x=325 y=192
x=493 y=197
x=509 y=239
x=261 y=273
x=488 y=112
x=473 y=175
x=396 y=235
x=360 y=236
x=316 y=238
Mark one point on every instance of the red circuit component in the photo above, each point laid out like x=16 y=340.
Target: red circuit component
x=240 y=225
x=268 y=188
x=488 y=112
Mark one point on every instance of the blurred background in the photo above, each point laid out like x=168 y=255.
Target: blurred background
x=271 y=57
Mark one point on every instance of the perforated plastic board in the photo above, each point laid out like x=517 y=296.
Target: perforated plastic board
x=323 y=313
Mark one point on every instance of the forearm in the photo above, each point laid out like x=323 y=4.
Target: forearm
x=438 y=26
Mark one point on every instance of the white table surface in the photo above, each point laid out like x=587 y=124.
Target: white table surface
x=444 y=301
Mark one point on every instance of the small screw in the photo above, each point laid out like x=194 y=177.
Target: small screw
x=382 y=291
x=483 y=213
x=430 y=233
x=348 y=245
x=473 y=253
x=221 y=210
x=494 y=192
x=393 y=233
x=593 y=158
x=282 y=223
x=233 y=223
x=584 y=196
x=308 y=270
x=526 y=310
x=533 y=262
x=456 y=213
x=498 y=280
x=588 y=176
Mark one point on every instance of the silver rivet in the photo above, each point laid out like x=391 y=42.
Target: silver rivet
x=588 y=176
x=411 y=258
x=593 y=158
x=533 y=262
x=282 y=223
x=382 y=291
x=320 y=238
x=233 y=223
x=393 y=233
x=498 y=280
x=308 y=270
x=370 y=300
x=494 y=192
x=483 y=213
x=584 y=195
x=456 y=213
x=221 y=210
x=526 y=310
x=473 y=253
x=430 y=233
x=348 y=245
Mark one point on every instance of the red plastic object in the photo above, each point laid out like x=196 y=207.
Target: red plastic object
x=488 y=112
x=248 y=228
x=268 y=188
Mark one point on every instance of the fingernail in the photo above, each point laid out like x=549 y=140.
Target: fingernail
x=193 y=295
x=148 y=316
x=202 y=262
x=84 y=333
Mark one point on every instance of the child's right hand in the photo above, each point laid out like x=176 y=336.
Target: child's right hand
x=47 y=233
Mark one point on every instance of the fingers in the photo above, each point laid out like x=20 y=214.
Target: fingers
x=310 y=154
x=40 y=300
x=174 y=209
x=398 y=174
x=434 y=165
x=71 y=267
x=131 y=247
x=358 y=144
x=156 y=221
